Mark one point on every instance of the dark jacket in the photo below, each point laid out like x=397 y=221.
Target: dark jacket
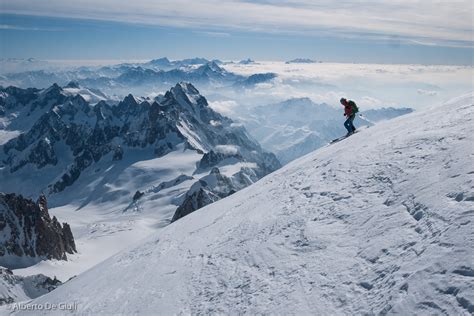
x=347 y=109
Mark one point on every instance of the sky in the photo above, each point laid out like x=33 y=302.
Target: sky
x=362 y=31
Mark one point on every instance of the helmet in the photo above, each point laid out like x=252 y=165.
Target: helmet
x=343 y=100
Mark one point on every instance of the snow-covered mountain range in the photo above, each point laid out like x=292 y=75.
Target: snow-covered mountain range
x=71 y=136
x=380 y=223
x=116 y=173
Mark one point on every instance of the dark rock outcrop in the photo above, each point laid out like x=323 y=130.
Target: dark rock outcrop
x=137 y=195
x=29 y=231
x=212 y=158
x=195 y=201
x=207 y=190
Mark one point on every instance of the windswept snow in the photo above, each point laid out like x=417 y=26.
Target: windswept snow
x=378 y=223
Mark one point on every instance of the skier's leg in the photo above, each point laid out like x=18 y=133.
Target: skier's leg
x=347 y=125
x=352 y=123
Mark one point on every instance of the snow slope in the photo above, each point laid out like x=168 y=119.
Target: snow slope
x=379 y=223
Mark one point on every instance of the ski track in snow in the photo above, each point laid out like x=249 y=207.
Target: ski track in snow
x=378 y=223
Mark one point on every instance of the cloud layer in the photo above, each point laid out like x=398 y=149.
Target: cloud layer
x=372 y=85
x=424 y=22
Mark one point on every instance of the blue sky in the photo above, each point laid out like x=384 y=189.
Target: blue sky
x=398 y=31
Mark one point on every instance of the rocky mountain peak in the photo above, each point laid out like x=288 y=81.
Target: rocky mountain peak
x=42 y=203
x=210 y=68
x=130 y=105
x=184 y=87
x=130 y=100
x=73 y=85
x=53 y=90
x=185 y=97
x=214 y=66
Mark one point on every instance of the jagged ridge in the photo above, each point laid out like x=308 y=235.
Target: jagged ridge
x=72 y=135
x=29 y=232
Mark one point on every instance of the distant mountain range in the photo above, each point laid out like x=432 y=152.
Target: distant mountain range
x=157 y=74
x=247 y=61
x=165 y=63
x=301 y=61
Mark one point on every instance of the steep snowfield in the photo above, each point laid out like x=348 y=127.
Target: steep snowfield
x=378 y=223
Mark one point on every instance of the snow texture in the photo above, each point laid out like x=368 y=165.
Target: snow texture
x=380 y=223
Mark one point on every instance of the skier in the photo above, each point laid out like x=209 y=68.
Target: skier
x=350 y=110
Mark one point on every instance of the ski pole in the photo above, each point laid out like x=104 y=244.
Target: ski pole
x=366 y=119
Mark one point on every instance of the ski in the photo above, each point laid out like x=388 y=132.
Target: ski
x=340 y=138
x=345 y=136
